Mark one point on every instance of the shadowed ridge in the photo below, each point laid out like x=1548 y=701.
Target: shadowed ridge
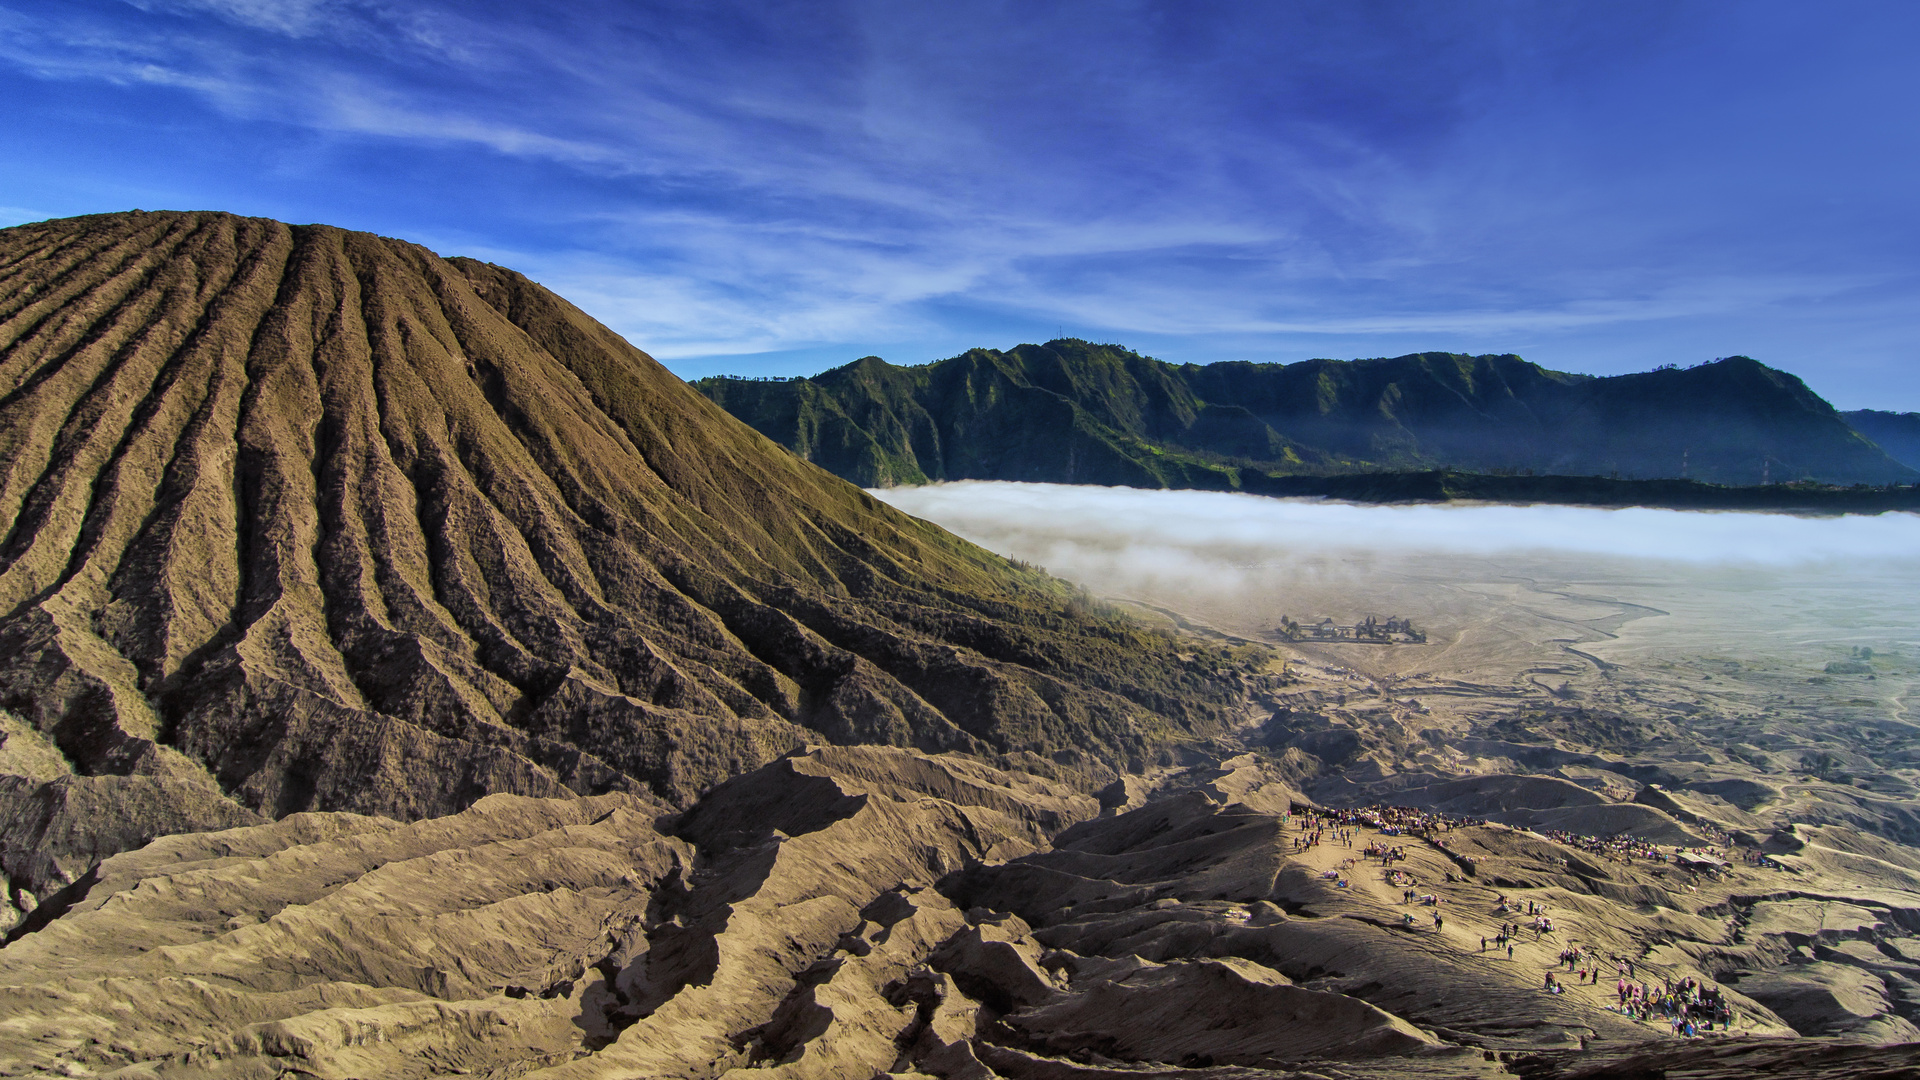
x=352 y=526
x=1895 y=432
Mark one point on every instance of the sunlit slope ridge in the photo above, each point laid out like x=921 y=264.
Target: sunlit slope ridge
x=356 y=527
x=1073 y=412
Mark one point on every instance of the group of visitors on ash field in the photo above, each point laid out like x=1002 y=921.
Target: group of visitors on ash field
x=1686 y=1006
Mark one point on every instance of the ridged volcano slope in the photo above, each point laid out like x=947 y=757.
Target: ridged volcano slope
x=351 y=526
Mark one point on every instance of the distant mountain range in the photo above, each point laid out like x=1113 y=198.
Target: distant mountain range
x=1070 y=411
x=1898 y=433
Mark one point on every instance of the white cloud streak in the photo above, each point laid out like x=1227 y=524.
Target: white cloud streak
x=775 y=177
x=1182 y=542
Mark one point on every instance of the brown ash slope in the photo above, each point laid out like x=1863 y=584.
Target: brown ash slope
x=852 y=912
x=297 y=518
x=792 y=923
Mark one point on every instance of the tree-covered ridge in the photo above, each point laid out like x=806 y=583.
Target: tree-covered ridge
x=1076 y=412
x=1897 y=433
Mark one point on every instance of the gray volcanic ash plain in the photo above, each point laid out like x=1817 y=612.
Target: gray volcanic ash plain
x=403 y=676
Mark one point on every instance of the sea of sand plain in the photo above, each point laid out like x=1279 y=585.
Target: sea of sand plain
x=1712 y=647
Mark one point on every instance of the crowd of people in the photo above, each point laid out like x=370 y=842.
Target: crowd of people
x=1689 y=1006
x=1388 y=854
x=1755 y=857
x=1317 y=823
x=1583 y=962
x=1623 y=848
x=1390 y=820
x=1317 y=826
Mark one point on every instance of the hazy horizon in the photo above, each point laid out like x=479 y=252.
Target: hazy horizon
x=1771 y=582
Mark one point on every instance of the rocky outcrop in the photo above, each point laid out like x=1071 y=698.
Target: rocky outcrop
x=306 y=519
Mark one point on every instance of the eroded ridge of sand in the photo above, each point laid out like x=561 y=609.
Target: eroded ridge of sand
x=860 y=911
x=295 y=518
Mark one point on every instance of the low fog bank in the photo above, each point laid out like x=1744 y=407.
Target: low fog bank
x=1032 y=520
x=1746 y=581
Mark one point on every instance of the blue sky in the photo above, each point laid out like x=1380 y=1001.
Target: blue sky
x=774 y=188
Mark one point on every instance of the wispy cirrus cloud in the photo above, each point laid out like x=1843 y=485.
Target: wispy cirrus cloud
x=1259 y=181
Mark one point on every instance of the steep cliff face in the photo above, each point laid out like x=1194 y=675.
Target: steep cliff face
x=1074 y=412
x=299 y=518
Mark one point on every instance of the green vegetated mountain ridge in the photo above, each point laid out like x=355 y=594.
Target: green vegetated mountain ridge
x=298 y=518
x=1073 y=412
x=1897 y=433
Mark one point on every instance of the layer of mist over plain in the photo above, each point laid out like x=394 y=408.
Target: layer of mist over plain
x=1698 y=582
